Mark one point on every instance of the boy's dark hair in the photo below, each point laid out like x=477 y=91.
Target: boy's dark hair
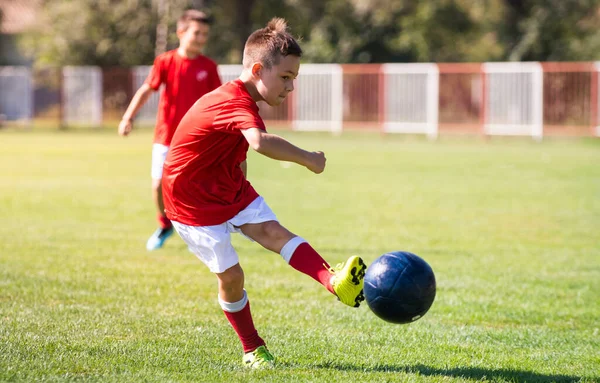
x=190 y=15
x=268 y=44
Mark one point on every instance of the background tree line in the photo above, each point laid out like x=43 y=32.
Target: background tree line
x=129 y=32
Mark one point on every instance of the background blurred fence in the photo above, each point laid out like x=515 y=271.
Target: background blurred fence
x=516 y=98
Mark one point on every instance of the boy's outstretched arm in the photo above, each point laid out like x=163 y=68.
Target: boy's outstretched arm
x=138 y=100
x=278 y=148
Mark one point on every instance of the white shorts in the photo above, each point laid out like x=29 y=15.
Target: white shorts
x=212 y=244
x=159 y=155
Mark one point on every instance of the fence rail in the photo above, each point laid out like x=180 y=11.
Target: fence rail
x=529 y=98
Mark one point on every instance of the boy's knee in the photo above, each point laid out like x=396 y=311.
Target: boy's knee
x=274 y=231
x=273 y=236
x=232 y=278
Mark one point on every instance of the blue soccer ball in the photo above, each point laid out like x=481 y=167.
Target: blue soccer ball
x=399 y=287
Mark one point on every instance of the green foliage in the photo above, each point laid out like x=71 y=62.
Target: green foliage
x=510 y=227
x=123 y=33
x=552 y=30
x=90 y=32
x=449 y=31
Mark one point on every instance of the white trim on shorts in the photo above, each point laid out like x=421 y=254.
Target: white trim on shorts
x=159 y=155
x=212 y=244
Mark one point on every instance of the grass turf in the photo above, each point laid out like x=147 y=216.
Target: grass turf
x=509 y=226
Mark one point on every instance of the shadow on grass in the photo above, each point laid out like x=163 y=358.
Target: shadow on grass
x=477 y=373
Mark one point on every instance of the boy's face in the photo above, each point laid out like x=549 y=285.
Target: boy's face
x=276 y=83
x=194 y=37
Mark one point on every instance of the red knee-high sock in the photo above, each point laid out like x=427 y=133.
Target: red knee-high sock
x=306 y=260
x=242 y=323
x=163 y=221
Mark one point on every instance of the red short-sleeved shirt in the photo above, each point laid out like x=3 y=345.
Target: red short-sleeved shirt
x=186 y=80
x=202 y=182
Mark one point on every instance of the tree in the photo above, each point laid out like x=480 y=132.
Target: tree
x=124 y=32
x=551 y=30
x=90 y=32
x=450 y=31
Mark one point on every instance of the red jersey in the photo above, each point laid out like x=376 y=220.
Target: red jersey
x=186 y=80
x=203 y=184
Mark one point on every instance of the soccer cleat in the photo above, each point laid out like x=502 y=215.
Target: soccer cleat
x=159 y=237
x=259 y=358
x=348 y=281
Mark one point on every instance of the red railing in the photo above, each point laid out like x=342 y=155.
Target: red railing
x=570 y=98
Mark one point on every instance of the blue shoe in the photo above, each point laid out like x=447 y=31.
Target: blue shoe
x=159 y=237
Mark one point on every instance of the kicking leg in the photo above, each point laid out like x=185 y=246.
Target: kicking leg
x=346 y=281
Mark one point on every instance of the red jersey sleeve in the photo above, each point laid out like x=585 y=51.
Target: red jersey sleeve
x=157 y=74
x=239 y=113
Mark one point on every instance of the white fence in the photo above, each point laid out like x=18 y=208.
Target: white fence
x=318 y=98
x=16 y=93
x=82 y=96
x=411 y=98
x=511 y=100
x=229 y=72
x=514 y=99
x=147 y=114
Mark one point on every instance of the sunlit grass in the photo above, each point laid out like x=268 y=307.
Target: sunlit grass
x=510 y=227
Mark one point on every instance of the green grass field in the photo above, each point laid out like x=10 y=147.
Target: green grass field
x=510 y=226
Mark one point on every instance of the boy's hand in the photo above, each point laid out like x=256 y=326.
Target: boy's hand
x=316 y=163
x=125 y=127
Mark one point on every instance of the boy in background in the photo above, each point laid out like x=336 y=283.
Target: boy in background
x=187 y=75
x=208 y=197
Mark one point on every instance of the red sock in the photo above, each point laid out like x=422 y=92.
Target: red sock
x=243 y=325
x=306 y=260
x=163 y=221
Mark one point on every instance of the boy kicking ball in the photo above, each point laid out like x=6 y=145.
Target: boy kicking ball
x=207 y=195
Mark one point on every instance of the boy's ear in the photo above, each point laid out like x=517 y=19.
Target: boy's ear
x=257 y=69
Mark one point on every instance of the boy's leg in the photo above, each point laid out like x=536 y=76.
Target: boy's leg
x=165 y=228
x=212 y=245
x=302 y=257
x=346 y=282
x=273 y=236
x=234 y=302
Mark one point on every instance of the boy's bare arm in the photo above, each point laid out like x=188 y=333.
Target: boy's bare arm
x=278 y=148
x=138 y=100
